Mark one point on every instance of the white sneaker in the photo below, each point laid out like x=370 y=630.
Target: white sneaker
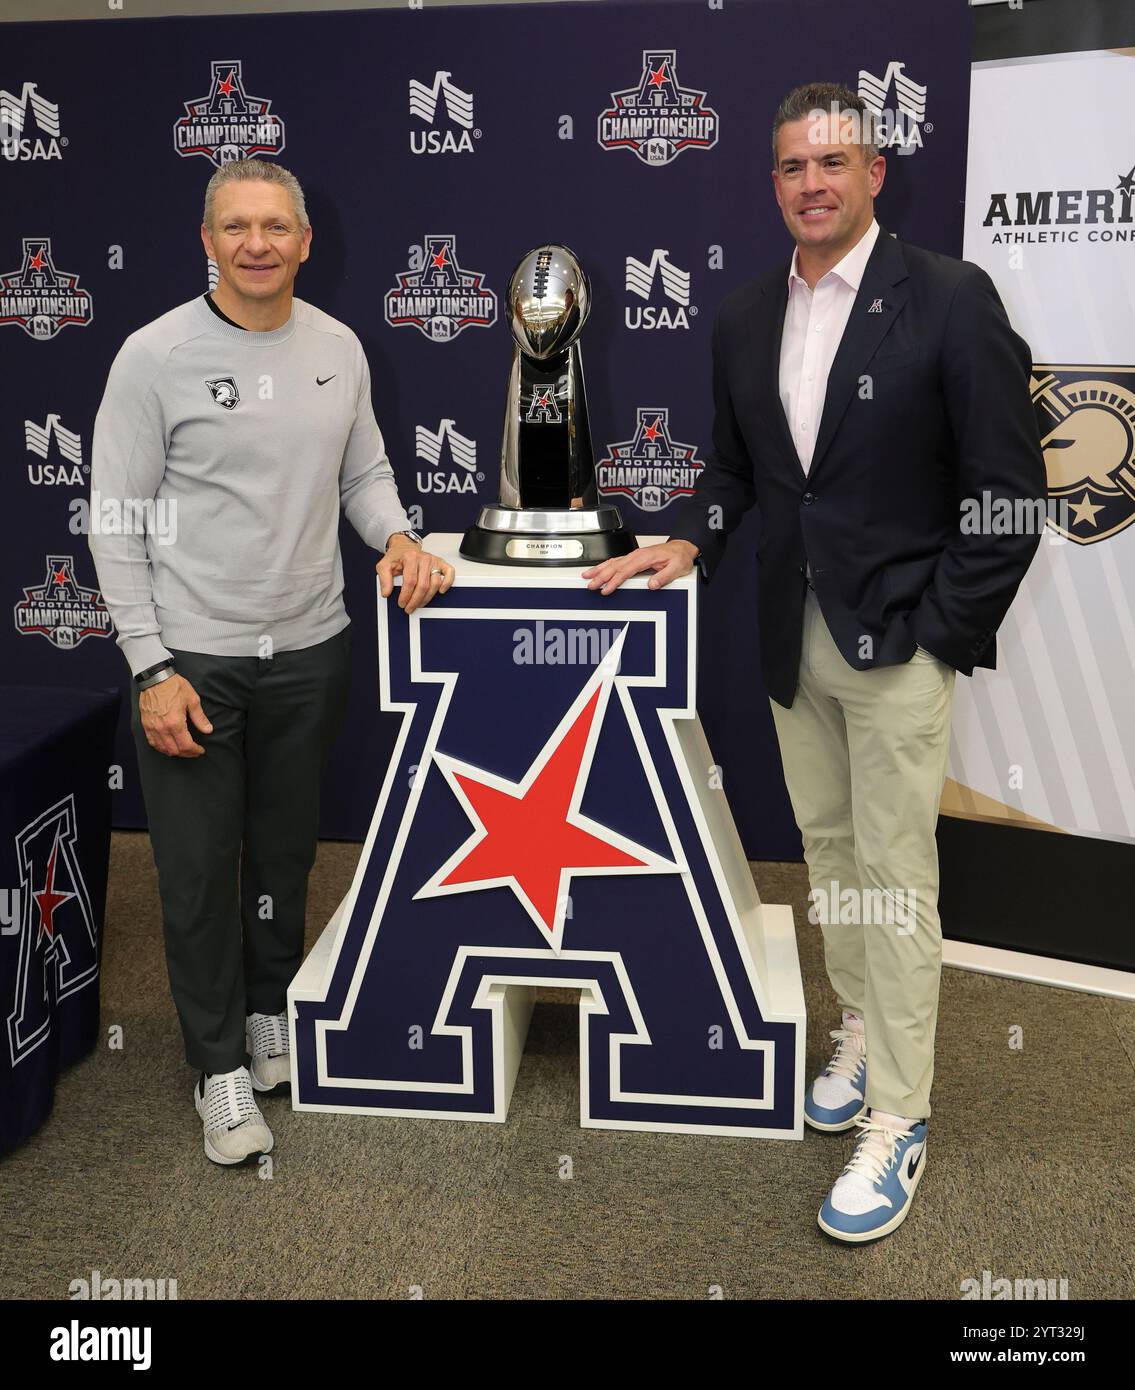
x=837 y=1097
x=234 y=1128
x=873 y=1194
x=270 y=1046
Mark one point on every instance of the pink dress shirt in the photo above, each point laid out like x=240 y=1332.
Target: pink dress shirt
x=814 y=321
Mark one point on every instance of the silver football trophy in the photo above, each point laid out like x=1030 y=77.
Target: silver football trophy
x=549 y=511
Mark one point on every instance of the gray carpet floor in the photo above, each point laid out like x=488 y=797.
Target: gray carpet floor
x=1031 y=1172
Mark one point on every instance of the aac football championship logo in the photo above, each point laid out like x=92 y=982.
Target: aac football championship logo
x=61 y=609
x=58 y=953
x=437 y=296
x=40 y=299
x=652 y=468
x=658 y=119
x=228 y=124
x=1086 y=417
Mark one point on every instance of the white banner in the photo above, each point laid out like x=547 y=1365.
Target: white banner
x=1048 y=738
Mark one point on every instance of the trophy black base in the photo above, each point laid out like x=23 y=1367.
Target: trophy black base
x=522 y=536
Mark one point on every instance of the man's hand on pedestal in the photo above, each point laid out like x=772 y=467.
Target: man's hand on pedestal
x=671 y=560
x=166 y=711
x=423 y=574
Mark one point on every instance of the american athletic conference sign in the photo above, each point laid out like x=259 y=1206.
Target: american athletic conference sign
x=57 y=952
x=227 y=123
x=548 y=818
x=658 y=118
x=439 y=296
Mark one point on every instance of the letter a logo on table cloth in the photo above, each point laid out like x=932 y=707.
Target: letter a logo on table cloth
x=548 y=817
x=57 y=953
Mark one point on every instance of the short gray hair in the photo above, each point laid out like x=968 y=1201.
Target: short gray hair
x=241 y=170
x=824 y=96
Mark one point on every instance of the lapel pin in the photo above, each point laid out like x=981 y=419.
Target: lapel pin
x=876 y=307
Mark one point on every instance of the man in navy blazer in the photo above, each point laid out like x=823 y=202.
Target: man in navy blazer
x=866 y=397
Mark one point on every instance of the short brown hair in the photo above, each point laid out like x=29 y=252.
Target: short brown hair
x=801 y=102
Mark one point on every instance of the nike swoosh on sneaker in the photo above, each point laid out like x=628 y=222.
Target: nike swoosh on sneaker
x=322 y=381
x=913 y=1164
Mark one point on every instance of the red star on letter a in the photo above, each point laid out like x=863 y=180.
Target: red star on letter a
x=530 y=835
x=47 y=900
x=227 y=85
x=439 y=259
x=657 y=78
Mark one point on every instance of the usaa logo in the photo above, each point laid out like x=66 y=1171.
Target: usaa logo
x=642 y=278
x=40 y=299
x=1087 y=427
x=429 y=448
x=425 y=101
x=18 y=116
x=228 y=124
x=899 y=126
x=67 y=467
x=651 y=468
x=658 y=119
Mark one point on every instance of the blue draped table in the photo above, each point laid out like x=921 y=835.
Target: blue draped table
x=56 y=747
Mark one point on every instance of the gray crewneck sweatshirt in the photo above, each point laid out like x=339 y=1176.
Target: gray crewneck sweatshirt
x=220 y=460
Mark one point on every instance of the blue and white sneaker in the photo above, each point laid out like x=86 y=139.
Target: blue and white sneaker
x=872 y=1195
x=837 y=1097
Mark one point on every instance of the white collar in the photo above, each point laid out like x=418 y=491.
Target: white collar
x=850 y=269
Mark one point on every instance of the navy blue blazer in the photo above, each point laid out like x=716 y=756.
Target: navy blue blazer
x=927 y=406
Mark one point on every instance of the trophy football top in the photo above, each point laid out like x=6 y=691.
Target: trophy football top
x=549 y=299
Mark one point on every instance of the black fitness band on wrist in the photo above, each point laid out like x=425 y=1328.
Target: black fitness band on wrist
x=153 y=670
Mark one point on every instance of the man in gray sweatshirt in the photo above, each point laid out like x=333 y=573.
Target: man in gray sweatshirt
x=243 y=421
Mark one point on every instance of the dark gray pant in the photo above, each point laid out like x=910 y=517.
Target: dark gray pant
x=234 y=835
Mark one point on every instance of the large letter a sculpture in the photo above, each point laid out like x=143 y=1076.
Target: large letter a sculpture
x=551 y=816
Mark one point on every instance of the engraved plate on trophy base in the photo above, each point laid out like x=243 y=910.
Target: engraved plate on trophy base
x=542 y=549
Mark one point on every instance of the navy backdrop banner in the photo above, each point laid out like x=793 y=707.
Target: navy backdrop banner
x=636 y=134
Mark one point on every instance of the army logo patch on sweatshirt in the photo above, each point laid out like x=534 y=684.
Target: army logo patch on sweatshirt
x=224 y=391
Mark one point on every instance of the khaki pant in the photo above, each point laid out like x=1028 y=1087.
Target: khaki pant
x=864 y=757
